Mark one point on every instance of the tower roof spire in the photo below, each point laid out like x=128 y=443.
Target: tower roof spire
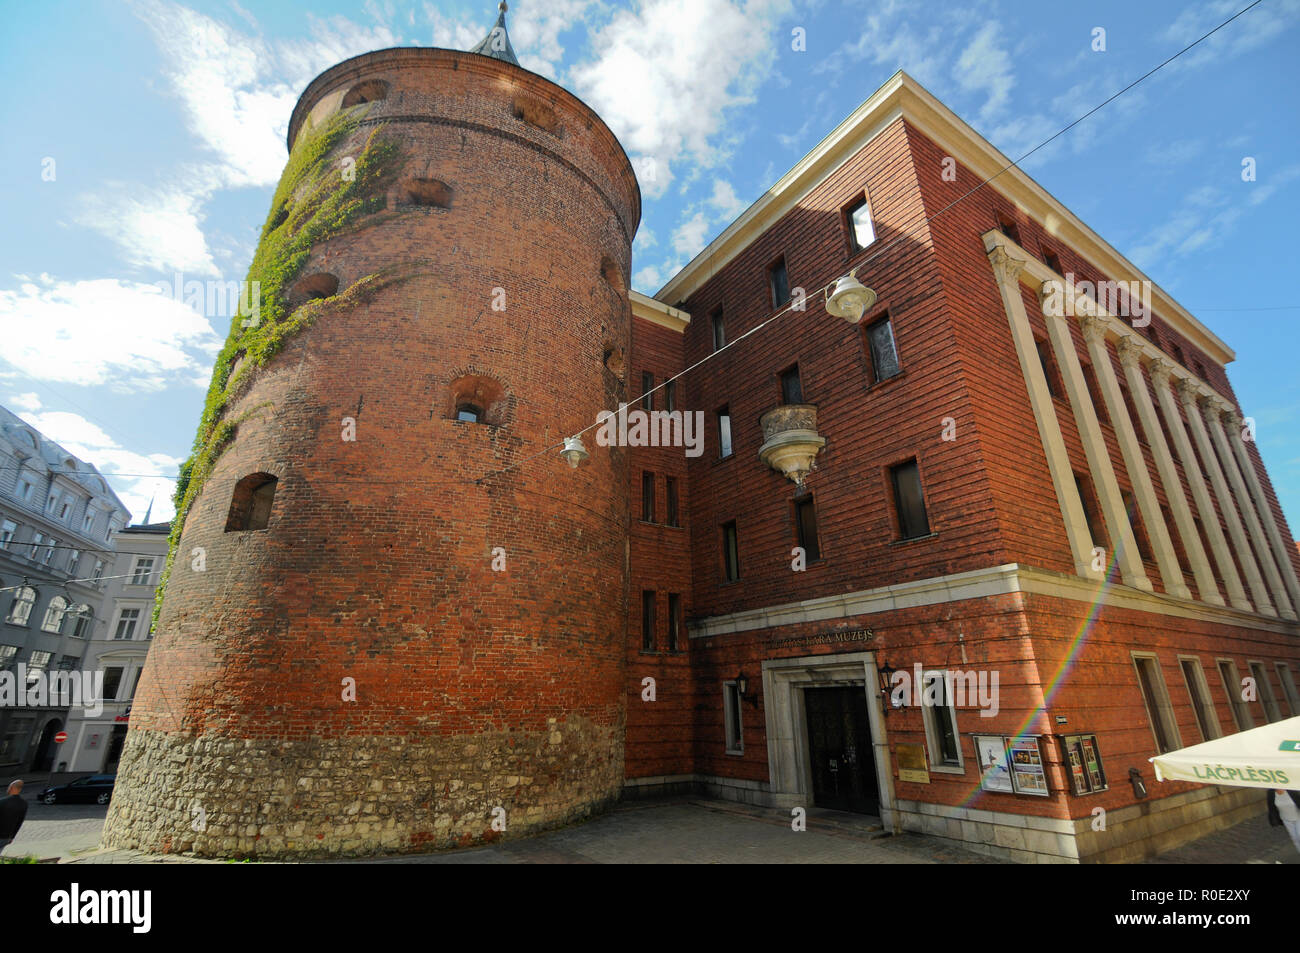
x=497 y=43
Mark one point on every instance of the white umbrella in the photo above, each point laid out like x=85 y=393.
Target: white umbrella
x=1267 y=757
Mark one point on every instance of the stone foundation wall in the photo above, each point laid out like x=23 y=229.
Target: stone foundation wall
x=359 y=796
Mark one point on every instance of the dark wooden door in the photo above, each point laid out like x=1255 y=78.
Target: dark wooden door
x=839 y=746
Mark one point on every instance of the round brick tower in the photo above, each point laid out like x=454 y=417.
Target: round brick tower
x=392 y=608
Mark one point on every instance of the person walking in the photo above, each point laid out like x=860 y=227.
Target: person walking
x=1284 y=811
x=13 y=810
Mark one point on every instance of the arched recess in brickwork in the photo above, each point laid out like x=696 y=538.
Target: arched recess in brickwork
x=482 y=393
x=371 y=91
x=612 y=274
x=314 y=287
x=251 y=502
x=536 y=113
x=425 y=193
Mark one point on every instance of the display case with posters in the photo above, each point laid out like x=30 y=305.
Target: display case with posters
x=1011 y=765
x=1083 y=760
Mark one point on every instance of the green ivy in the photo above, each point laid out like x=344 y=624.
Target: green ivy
x=315 y=201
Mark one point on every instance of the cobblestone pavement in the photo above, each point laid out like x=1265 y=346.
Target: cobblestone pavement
x=681 y=831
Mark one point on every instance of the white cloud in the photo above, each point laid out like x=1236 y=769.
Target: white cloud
x=29 y=401
x=535 y=33
x=89 y=442
x=725 y=201
x=665 y=74
x=648 y=280
x=1248 y=32
x=984 y=67
x=689 y=237
x=160 y=229
x=124 y=335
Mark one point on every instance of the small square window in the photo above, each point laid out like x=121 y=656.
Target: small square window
x=882 y=350
x=791 y=387
x=909 y=501
x=861 y=230
x=730 y=552
x=779 y=283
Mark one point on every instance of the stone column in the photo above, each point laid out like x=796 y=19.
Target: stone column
x=1192 y=394
x=1007 y=272
x=1161 y=371
x=1171 y=574
x=1094 y=448
x=1281 y=551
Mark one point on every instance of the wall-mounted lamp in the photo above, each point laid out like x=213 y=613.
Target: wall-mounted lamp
x=1139 y=786
x=886 y=682
x=742 y=689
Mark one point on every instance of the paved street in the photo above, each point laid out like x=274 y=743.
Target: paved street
x=681 y=831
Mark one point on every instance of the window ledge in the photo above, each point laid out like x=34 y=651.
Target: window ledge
x=947 y=769
x=734 y=754
x=913 y=539
x=880 y=385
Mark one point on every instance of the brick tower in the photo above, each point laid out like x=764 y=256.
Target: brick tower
x=392 y=609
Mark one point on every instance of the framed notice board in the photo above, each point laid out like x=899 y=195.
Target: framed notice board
x=1011 y=765
x=1082 y=758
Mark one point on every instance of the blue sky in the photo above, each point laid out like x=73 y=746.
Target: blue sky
x=143 y=140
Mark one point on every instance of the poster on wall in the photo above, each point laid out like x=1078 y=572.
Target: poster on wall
x=1074 y=757
x=1084 y=760
x=1027 y=772
x=991 y=755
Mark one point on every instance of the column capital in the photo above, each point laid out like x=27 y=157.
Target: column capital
x=1233 y=416
x=1093 y=328
x=1161 y=372
x=1213 y=403
x=1129 y=350
x=1005 y=268
x=1189 y=390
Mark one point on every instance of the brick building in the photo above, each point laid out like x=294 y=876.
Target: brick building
x=413 y=621
x=1005 y=489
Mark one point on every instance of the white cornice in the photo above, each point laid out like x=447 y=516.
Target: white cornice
x=648 y=309
x=902 y=96
x=981 y=584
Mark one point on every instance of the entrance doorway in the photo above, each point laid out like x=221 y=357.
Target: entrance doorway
x=840 y=751
x=115 y=749
x=44 y=759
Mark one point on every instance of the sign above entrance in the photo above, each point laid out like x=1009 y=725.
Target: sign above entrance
x=829 y=636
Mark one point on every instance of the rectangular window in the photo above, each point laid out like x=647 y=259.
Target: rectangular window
x=1049 y=367
x=1096 y=528
x=674 y=621
x=805 y=518
x=48 y=553
x=1009 y=228
x=730 y=552
x=941 y=722
x=1094 y=392
x=648 y=497
x=126 y=624
x=779 y=283
x=719 y=331
x=1199 y=691
x=647 y=620
x=63 y=510
x=647 y=385
x=724 y=432
x=13 y=745
x=24 y=490
x=1051 y=261
x=99 y=570
x=731 y=715
x=670 y=396
x=8 y=653
x=670 y=490
x=88 y=521
x=882 y=351
x=37 y=539
x=74 y=557
x=1264 y=690
x=7 y=530
x=36 y=665
x=142 y=571
x=112 y=681
x=1288 y=686
x=909 y=501
x=1135 y=521
x=1232 y=687
x=791 y=387
x=1156 y=698
x=858 y=218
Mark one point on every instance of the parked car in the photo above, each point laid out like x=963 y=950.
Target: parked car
x=92 y=789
